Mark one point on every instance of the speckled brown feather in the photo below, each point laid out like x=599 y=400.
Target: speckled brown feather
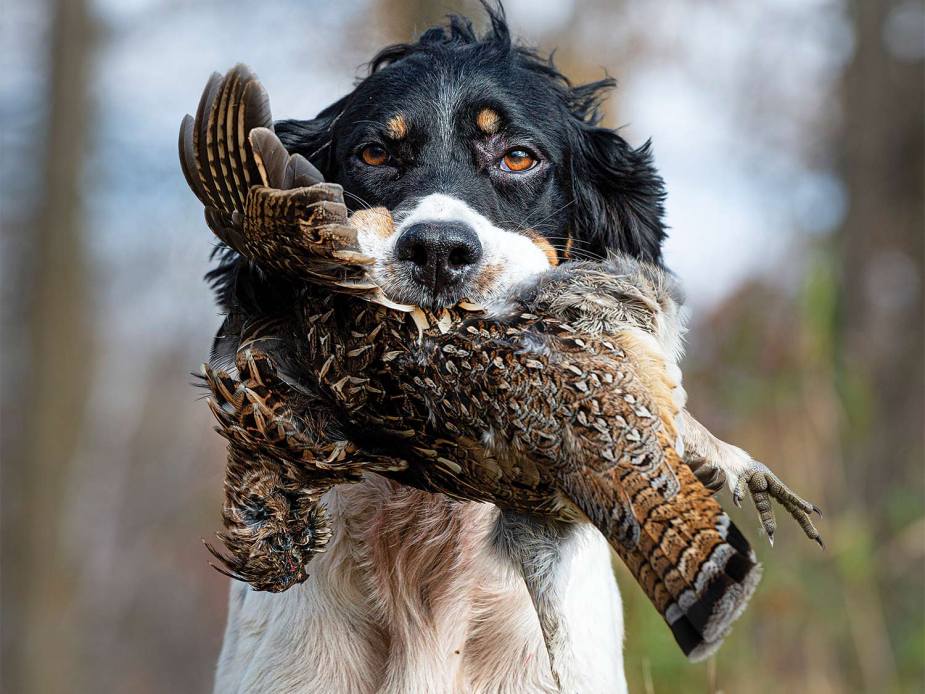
x=557 y=410
x=281 y=456
x=284 y=453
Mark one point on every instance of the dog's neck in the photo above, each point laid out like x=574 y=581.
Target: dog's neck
x=410 y=596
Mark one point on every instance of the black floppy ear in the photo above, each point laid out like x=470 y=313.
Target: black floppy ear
x=313 y=139
x=619 y=196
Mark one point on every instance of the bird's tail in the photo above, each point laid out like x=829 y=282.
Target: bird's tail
x=230 y=145
x=692 y=562
x=270 y=206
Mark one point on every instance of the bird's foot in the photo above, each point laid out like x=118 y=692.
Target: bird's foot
x=763 y=486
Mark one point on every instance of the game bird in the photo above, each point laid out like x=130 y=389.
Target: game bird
x=563 y=405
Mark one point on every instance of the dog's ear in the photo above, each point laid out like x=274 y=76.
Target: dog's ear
x=618 y=195
x=313 y=139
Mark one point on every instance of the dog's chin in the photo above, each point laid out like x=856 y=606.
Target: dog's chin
x=483 y=288
x=404 y=290
x=441 y=301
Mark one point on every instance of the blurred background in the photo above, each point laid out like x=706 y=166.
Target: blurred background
x=790 y=134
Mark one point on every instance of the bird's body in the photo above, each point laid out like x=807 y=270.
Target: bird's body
x=562 y=404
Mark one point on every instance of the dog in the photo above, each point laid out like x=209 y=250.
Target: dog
x=495 y=169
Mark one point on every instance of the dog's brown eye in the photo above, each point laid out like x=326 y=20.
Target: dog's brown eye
x=374 y=155
x=518 y=160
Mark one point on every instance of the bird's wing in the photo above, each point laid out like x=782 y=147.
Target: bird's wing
x=271 y=207
x=600 y=419
x=285 y=451
x=273 y=519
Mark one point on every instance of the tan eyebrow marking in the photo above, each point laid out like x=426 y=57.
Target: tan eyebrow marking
x=396 y=127
x=488 y=120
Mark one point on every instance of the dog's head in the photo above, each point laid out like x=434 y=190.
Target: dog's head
x=491 y=162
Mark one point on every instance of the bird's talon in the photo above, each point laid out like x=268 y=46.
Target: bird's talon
x=763 y=485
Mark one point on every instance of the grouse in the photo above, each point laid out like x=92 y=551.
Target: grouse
x=564 y=406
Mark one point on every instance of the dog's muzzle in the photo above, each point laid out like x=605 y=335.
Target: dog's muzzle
x=441 y=256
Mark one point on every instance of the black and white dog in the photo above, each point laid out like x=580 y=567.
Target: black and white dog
x=495 y=169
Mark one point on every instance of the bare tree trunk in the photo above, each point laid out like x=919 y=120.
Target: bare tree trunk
x=880 y=369
x=405 y=19
x=38 y=579
x=882 y=244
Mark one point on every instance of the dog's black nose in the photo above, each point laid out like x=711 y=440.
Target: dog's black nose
x=442 y=253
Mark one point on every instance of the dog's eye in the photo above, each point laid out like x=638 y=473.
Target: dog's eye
x=374 y=155
x=517 y=161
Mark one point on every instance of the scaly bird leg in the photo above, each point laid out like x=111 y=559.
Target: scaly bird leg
x=716 y=462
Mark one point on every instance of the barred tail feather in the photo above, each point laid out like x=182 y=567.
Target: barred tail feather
x=701 y=617
x=702 y=568
x=215 y=151
x=690 y=560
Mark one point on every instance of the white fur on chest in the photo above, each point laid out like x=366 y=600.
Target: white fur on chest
x=410 y=598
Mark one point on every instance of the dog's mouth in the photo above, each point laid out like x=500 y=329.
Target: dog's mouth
x=406 y=283
x=442 y=252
